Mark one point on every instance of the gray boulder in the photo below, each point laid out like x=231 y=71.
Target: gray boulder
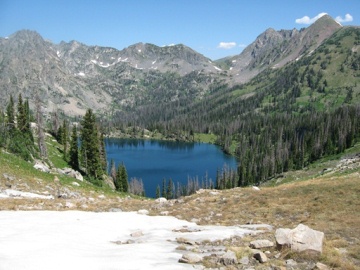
x=258 y=244
x=260 y=256
x=300 y=239
x=190 y=258
x=229 y=258
x=41 y=166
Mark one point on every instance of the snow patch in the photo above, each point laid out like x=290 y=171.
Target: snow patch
x=217 y=68
x=233 y=61
x=153 y=62
x=58 y=54
x=139 y=51
x=82 y=74
x=12 y=193
x=87 y=240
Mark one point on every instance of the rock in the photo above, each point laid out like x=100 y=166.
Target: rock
x=255 y=188
x=214 y=193
x=164 y=213
x=69 y=205
x=260 y=256
x=258 y=244
x=143 y=212
x=137 y=234
x=8 y=177
x=161 y=200
x=71 y=173
x=299 y=239
x=229 y=258
x=75 y=184
x=290 y=263
x=244 y=260
x=41 y=166
x=115 y=210
x=190 y=258
x=102 y=196
x=321 y=266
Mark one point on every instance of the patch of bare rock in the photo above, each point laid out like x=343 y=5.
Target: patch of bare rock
x=244 y=253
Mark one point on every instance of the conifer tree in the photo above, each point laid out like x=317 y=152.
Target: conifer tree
x=10 y=111
x=158 y=191
x=163 y=190
x=21 y=115
x=65 y=138
x=124 y=178
x=117 y=180
x=103 y=152
x=74 y=150
x=169 y=191
x=113 y=170
x=90 y=146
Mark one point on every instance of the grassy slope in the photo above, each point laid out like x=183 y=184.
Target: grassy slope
x=328 y=202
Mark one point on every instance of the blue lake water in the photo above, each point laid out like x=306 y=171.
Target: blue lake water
x=153 y=160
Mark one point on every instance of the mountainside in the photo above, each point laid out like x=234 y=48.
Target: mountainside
x=72 y=76
x=277 y=48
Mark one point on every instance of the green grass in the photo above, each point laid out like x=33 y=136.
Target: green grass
x=205 y=138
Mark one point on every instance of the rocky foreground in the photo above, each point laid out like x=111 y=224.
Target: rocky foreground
x=300 y=225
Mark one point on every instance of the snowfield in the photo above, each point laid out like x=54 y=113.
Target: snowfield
x=107 y=240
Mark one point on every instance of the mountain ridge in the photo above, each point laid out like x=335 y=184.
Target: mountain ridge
x=73 y=76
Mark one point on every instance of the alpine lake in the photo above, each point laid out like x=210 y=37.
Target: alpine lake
x=154 y=160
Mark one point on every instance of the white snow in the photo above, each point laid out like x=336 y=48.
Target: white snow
x=217 y=68
x=233 y=61
x=153 y=62
x=11 y=193
x=139 y=51
x=82 y=74
x=87 y=240
x=58 y=53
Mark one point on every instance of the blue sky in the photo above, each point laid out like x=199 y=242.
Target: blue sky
x=215 y=28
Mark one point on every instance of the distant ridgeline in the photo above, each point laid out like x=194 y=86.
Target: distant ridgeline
x=290 y=98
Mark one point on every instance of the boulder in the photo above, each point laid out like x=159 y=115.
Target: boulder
x=41 y=166
x=321 y=266
x=137 y=234
x=300 y=239
x=190 y=258
x=143 y=212
x=161 y=200
x=229 y=258
x=260 y=256
x=259 y=244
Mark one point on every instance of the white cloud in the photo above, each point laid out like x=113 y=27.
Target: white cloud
x=348 y=18
x=308 y=20
x=226 y=45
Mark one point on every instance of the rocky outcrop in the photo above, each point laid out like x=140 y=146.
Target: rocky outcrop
x=300 y=239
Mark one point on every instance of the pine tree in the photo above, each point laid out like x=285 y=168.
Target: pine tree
x=103 y=152
x=90 y=146
x=124 y=178
x=169 y=190
x=112 y=170
x=117 y=180
x=21 y=116
x=158 y=191
x=163 y=190
x=74 y=150
x=10 y=112
x=65 y=139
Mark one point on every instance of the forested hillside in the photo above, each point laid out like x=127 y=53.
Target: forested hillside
x=282 y=119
